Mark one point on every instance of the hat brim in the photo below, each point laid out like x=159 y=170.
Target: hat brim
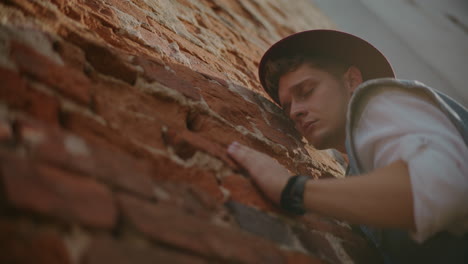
x=336 y=44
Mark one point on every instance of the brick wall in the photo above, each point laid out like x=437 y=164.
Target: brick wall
x=115 y=116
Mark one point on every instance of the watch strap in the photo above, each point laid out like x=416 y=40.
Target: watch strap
x=292 y=196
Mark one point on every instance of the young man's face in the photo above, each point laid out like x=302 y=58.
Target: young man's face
x=317 y=102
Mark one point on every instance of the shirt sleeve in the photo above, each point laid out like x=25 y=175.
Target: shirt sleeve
x=397 y=125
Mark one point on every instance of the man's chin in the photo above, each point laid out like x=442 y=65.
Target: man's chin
x=317 y=143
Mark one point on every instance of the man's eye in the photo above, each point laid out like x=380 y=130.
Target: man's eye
x=307 y=92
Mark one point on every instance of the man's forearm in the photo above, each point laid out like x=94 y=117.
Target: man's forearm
x=382 y=198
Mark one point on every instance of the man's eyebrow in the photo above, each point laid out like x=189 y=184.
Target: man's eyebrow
x=300 y=84
x=294 y=89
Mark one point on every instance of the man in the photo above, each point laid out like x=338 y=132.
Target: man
x=407 y=146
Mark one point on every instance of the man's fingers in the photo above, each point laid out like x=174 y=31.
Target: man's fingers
x=242 y=155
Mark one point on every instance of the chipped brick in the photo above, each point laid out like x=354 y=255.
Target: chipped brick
x=104 y=59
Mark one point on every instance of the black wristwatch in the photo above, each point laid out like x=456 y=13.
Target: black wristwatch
x=292 y=196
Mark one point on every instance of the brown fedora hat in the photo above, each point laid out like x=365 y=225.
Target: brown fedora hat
x=336 y=44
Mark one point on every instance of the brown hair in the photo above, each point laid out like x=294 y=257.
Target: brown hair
x=274 y=69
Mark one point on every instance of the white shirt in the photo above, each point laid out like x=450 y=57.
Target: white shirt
x=398 y=125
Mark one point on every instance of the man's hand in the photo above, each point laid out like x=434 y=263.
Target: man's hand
x=267 y=173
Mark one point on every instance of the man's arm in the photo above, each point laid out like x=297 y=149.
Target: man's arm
x=381 y=198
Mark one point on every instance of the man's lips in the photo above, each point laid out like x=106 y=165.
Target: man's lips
x=307 y=126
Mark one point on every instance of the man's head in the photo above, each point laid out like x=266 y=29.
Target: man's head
x=314 y=92
x=312 y=75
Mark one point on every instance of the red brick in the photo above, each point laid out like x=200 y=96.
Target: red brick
x=54 y=192
x=66 y=80
x=137 y=115
x=231 y=106
x=115 y=168
x=167 y=170
x=278 y=136
x=19 y=95
x=148 y=37
x=168 y=224
x=186 y=144
x=96 y=133
x=72 y=153
x=103 y=58
x=101 y=11
x=193 y=201
x=155 y=71
x=70 y=54
x=23 y=244
x=128 y=8
x=104 y=249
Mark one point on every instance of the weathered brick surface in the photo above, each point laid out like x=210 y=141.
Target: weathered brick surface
x=168 y=224
x=21 y=243
x=114 y=120
x=54 y=192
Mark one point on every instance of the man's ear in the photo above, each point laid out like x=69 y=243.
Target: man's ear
x=352 y=78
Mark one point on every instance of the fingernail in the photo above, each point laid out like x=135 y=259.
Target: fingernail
x=232 y=148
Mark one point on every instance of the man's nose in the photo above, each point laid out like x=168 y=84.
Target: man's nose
x=298 y=111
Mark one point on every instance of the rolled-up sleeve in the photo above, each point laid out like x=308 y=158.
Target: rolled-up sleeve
x=396 y=125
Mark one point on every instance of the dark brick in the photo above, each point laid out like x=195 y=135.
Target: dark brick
x=261 y=224
x=6 y=131
x=103 y=58
x=320 y=223
x=104 y=249
x=295 y=257
x=315 y=243
x=170 y=225
x=21 y=243
x=57 y=193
